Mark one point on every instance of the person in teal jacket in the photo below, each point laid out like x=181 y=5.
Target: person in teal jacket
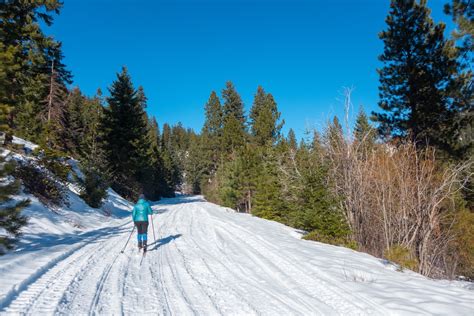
x=140 y=213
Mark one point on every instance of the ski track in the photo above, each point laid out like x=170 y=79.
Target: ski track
x=206 y=261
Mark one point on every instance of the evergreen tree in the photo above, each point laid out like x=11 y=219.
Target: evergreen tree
x=269 y=201
x=264 y=116
x=316 y=209
x=292 y=143
x=249 y=161
x=93 y=158
x=171 y=170
x=334 y=134
x=180 y=141
x=125 y=136
x=234 y=131
x=24 y=56
x=214 y=114
x=212 y=133
x=462 y=12
x=74 y=121
x=94 y=185
x=11 y=220
x=5 y=108
x=364 y=134
x=230 y=190
x=160 y=165
x=88 y=124
x=418 y=80
x=196 y=165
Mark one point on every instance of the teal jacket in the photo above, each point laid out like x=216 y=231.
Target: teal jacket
x=141 y=210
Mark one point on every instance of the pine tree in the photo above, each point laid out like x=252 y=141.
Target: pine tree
x=74 y=121
x=317 y=209
x=93 y=159
x=364 y=134
x=417 y=81
x=54 y=112
x=264 y=116
x=234 y=131
x=94 y=185
x=156 y=176
x=196 y=165
x=462 y=12
x=334 y=134
x=292 y=143
x=6 y=109
x=214 y=114
x=24 y=55
x=11 y=219
x=125 y=136
x=88 y=125
x=212 y=133
x=269 y=201
x=171 y=170
x=230 y=190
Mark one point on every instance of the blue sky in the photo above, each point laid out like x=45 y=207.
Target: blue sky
x=303 y=52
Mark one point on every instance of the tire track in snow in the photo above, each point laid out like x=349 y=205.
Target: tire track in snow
x=139 y=294
x=181 y=295
x=263 y=280
x=77 y=296
x=365 y=305
x=219 y=295
x=160 y=273
x=223 y=291
x=44 y=295
x=249 y=274
x=272 y=258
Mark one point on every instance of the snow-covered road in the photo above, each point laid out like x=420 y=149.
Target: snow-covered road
x=208 y=260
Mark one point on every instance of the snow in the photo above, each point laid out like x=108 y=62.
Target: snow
x=28 y=146
x=206 y=260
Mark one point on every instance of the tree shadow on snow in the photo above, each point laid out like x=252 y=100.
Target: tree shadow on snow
x=47 y=240
x=181 y=199
x=163 y=241
x=159 y=211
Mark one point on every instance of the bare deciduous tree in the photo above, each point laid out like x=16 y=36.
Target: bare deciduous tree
x=395 y=194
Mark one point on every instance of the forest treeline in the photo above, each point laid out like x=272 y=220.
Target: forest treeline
x=396 y=184
x=116 y=143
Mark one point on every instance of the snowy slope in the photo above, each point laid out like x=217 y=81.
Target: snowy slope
x=208 y=260
x=53 y=234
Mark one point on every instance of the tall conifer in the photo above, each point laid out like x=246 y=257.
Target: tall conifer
x=234 y=130
x=125 y=136
x=418 y=80
x=264 y=117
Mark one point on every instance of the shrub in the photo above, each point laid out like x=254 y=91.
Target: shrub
x=463 y=243
x=42 y=184
x=11 y=219
x=332 y=240
x=94 y=188
x=402 y=256
x=55 y=162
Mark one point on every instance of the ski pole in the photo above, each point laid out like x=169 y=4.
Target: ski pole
x=153 y=228
x=133 y=229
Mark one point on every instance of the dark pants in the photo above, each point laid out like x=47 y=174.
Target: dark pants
x=142 y=228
